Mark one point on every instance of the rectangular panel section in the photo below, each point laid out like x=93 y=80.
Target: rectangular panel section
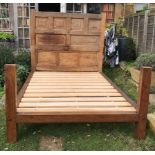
x=84 y=43
x=68 y=59
x=88 y=59
x=94 y=25
x=47 y=58
x=77 y=24
x=59 y=24
x=42 y=23
x=50 y=41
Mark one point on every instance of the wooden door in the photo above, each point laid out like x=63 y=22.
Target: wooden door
x=66 y=42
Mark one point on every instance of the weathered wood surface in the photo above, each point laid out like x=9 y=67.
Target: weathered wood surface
x=10 y=103
x=67 y=42
x=142 y=102
x=78 y=96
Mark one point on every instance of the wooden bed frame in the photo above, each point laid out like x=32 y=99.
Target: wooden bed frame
x=66 y=83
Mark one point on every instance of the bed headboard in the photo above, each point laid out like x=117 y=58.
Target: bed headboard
x=66 y=41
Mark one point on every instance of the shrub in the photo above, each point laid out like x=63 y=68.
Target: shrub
x=7 y=36
x=6 y=57
x=130 y=50
x=147 y=59
x=23 y=58
x=22 y=73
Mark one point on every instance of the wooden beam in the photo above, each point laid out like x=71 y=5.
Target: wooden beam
x=142 y=102
x=32 y=33
x=76 y=118
x=101 y=46
x=10 y=103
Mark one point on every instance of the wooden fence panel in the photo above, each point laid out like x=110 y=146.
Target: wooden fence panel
x=141 y=28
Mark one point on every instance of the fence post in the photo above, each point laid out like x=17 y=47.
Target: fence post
x=142 y=101
x=137 y=37
x=10 y=102
x=145 y=30
x=132 y=26
x=152 y=44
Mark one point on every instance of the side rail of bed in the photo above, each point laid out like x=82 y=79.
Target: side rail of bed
x=12 y=100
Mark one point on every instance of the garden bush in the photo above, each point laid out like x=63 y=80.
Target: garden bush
x=23 y=58
x=22 y=73
x=147 y=59
x=6 y=57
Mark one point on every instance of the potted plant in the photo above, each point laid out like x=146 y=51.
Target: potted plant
x=7 y=39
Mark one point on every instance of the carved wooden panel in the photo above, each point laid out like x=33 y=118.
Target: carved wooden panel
x=46 y=58
x=77 y=24
x=66 y=42
x=42 y=24
x=84 y=43
x=68 y=59
x=88 y=59
x=94 y=25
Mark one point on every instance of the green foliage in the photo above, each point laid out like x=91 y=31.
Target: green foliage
x=23 y=58
x=22 y=73
x=1 y=92
x=6 y=36
x=147 y=59
x=120 y=29
x=130 y=53
x=152 y=90
x=6 y=57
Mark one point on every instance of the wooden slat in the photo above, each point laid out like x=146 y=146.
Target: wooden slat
x=73 y=99
x=69 y=94
x=69 y=84
x=73 y=104
x=24 y=87
x=68 y=79
x=59 y=87
x=68 y=90
x=57 y=111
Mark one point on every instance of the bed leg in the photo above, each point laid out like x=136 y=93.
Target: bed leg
x=142 y=102
x=10 y=102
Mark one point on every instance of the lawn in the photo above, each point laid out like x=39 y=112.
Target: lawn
x=1 y=92
x=95 y=136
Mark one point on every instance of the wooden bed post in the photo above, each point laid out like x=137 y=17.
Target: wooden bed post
x=10 y=102
x=32 y=33
x=101 y=46
x=142 y=101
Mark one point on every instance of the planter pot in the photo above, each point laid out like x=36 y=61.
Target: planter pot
x=135 y=73
x=9 y=43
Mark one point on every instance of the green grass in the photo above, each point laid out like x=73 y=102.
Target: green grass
x=1 y=92
x=95 y=136
x=122 y=79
